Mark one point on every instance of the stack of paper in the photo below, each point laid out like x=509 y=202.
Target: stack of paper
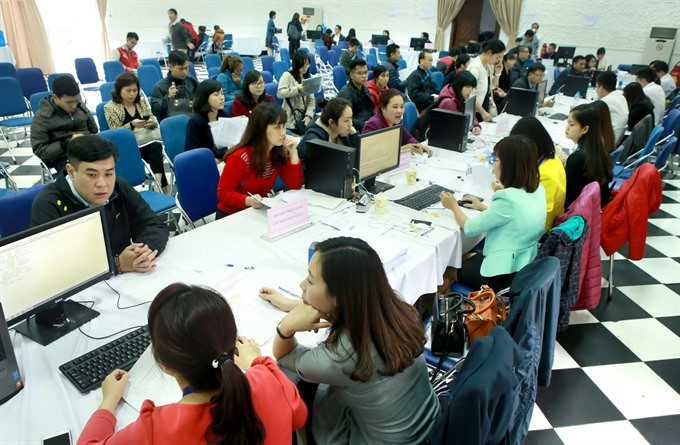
x=390 y=250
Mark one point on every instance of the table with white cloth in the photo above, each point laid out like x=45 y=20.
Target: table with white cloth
x=251 y=46
x=6 y=55
x=411 y=58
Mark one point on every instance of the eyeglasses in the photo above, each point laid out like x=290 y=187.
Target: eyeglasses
x=258 y=84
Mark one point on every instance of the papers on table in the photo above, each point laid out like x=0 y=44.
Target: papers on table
x=313 y=198
x=147 y=381
x=390 y=250
x=227 y=131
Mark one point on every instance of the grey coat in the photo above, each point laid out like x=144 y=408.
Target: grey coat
x=180 y=37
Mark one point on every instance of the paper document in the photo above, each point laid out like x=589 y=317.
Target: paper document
x=388 y=249
x=227 y=131
x=147 y=381
x=313 y=84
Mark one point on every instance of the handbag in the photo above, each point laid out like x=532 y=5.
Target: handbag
x=298 y=117
x=147 y=135
x=293 y=32
x=448 y=323
x=490 y=311
x=180 y=104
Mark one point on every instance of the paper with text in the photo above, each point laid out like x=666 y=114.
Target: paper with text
x=147 y=381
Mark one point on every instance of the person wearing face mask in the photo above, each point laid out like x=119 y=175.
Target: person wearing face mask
x=334 y=125
x=251 y=94
x=453 y=96
x=208 y=107
x=391 y=109
x=378 y=84
x=177 y=88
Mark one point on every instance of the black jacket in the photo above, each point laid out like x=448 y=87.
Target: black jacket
x=394 y=82
x=421 y=87
x=314 y=131
x=362 y=104
x=199 y=134
x=128 y=216
x=186 y=88
x=517 y=71
x=637 y=112
x=561 y=79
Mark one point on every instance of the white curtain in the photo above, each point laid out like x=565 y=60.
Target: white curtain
x=447 y=10
x=26 y=36
x=507 y=14
x=102 y=6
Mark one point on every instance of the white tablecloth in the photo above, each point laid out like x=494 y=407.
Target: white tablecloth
x=251 y=46
x=6 y=55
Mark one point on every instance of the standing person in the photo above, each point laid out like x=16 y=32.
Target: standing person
x=208 y=107
x=180 y=39
x=605 y=88
x=534 y=28
x=639 y=104
x=334 y=125
x=393 y=54
x=297 y=102
x=646 y=77
x=531 y=42
x=126 y=54
x=271 y=30
x=602 y=62
x=422 y=89
x=194 y=36
x=250 y=95
x=221 y=403
x=174 y=93
x=487 y=69
x=378 y=84
x=351 y=54
x=357 y=94
x=453 y=96
x=372 y=376
x=230 y=76
x=337 y=36
x=294 y=32
x=217 y=38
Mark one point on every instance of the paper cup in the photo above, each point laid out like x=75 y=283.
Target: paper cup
x=380 y=203
x=411 y=176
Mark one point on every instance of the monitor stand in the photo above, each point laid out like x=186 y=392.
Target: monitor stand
x=375 y=187
x=53 y=323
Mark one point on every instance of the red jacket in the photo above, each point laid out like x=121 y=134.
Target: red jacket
x=625 y=217
x=190 y=27
x=128 y=58
x=240 y=109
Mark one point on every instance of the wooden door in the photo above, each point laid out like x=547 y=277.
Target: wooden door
x=465 y=26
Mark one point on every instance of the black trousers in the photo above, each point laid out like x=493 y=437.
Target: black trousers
x=153 y=154
x=470 y=276
x=293 y=45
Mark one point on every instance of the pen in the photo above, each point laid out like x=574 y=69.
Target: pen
x=285 y=291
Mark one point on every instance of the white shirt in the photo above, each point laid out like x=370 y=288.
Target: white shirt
x=667 y=84
x=658 y=98
x=484 y=75
x=618 y=108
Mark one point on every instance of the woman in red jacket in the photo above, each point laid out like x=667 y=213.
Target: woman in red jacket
x=193 y=333
x=378 y=84
x=454 y=95
x=251 y=94
x=251 y=166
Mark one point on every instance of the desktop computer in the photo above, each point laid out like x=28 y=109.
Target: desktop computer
x=521 y=102
x=379 y=152
x=541 y=88
x=10 y=377
x=576 y=84
x=40 y=268
x=379 y=39
x=448 y=130
x=330 y=168
x=417 y=43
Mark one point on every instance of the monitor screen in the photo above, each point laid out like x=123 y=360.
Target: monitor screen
x=565 y=52
x=541 y=88
x=417 y=43
x=521 y=102
x=379 y=152
x=470 y=110
x=308 y=11
x=576 y=84
x=379 y=39
x=314 y=35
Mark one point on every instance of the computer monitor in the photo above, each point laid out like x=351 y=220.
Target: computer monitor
x=43 y=266
x=330 y=168
x=521 y=102
x=541 y=88
x=575 y=84
x=314 y=35
x=417 y=43
x=379 y=152
x=634 y=68
x=564 y=52
x=470 y=109
x=448 y=130
x=308 y=11
x=379 y=39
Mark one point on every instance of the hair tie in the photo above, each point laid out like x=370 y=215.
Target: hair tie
x=223 y=357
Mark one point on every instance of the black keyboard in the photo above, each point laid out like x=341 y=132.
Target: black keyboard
x=89 y=370
x=423 y=198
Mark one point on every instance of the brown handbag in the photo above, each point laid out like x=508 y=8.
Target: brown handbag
x=489 y=312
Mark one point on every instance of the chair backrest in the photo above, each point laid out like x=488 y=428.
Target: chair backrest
x=213 y=72
x=86 y=71
x=228 y=105
x=339 y=77
x=152 y=62
x=268 y=63
x=312 y=64
x=669 y=123
x=129 y=164
x=442 y=54
x=32 y=80
x=15 y=210
x=410 y=116
x=196 y=177
x=556 y=73
x=174 y=134
x=267 y=76
x=279 y=68
x=304 y=50
x=651 y=141
x=270 y=88
x=402 y=64
x=148 y=77
x=51 y=77
x=371 y=61
x=675 y=103
x=343 y=45
x=322 y=51
x=318 y=43
x=438 y=78
x=248 y=65
x=36 y=98
x=614 y=155
x=112 y=69
x=7 y=70
x=13 y=101
x=334 y=57
x=668 y=149
x=192 y=70
x=627 y=67
x=285 y=56
x=335 y=48
x=105 y=91
x=213 y=61
x=101 y=116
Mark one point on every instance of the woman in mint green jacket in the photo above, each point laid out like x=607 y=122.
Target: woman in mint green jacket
x=513 y=222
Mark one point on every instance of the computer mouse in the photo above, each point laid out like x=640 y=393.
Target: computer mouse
x=462 y=202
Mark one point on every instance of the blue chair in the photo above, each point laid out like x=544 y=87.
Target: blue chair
x=174 y=135
x=312 y=64
x=442 y=54
x=7 y=70
x=675 y=103
x=228 y=106
x=148 y=77
x=228 y=42
x=410 y=116
x=333 y=57
x=662 y=160
x=318 y=43
x=15 y=210
x=192 y=70
x=87 y=73
x=343 y=45
x=213 y=61
x=370 y=75
x=371 y=61
x=557 y=73
x=248 y=65
x=112 y=69
x=10 y=183
x=12 y=106
x=151 y=62
x=335 y=48
x=267 y=76
x=284 y=55
x=279 y=68
x=213 y=72
x=402 y=64
x=270 y=88
x=36 y=98
x=339 y=77
x=31 y=80
x=51 y=77
x=669 y=123
x=105 y=91
x=197 y=177
x=438 y=78
x=101 y=116
x=627 y=67
x=318 y=95
x=268 y=63
x=304 y=50
x=630 y=164
x=322 y=52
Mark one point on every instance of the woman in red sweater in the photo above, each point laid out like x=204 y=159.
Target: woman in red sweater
x=252 y=93
x=378 y=84
x=193 y=333
x=453 y=96
x=252 y=165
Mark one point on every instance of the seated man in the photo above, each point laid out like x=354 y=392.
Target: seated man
x=577 y=68
x=530 y=81
x=422 y=90
x=605 y=87
x=357 y=94
x=550 y=54
x=393 y=54
x=531 y=42
x=61 y=117
x=173 y=94
x=90 y=180
x=665 y=79
x=351 y=54
x=445 y=62
x=646 y=77
x=425 y=36
x=518 y=70
x=126 y=54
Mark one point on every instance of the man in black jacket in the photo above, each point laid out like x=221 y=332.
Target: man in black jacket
x=421 y=88
x=357 y=94
x=393 y=54
x=90 y=180
x=176 y=90
x=578 y=65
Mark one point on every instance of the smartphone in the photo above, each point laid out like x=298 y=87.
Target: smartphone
x=420 y=221
x=146 y=118
x=62 y=437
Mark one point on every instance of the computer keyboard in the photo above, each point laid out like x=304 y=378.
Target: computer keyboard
x=558 y=116
x=89 y=370
x=423 y=198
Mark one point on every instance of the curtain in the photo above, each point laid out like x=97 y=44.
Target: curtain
x=26 y=36
x=507 y=14
x=102 y=6
x=447 y=10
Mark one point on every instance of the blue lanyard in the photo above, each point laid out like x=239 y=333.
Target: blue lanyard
x=188 y=390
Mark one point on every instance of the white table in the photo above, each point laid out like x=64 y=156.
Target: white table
x=251 y=46
x=6 y=55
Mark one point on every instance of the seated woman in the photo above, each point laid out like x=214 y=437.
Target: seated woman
x=550 y=168
x=607 y=130
x=378 y=84
x=461 y=64
x=453 y=96
x=373 y=380
x=251 y=166
x=590 y=162
x=251 y=95
x=334 y=125
x=328 y=39
x=297 y=102
x=208 y=107
x=129 y=109
x=514 y=221
x=639 y=104
x=391 y=110
x=220 y=402
x=230 y=76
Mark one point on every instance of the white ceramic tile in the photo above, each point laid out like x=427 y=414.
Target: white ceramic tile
x=668 y=245
x=582 y=317
x=673 y=209
x=675 y=182
x=635 y=390
x=647 y=338
x=620 y=433
x=673 y=194
x=562 y=359
x=604 y=256
x=665 y=270
x=538 y=420
x=670 y=225
x=658 y=300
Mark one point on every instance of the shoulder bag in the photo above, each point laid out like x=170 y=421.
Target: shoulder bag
x=299 y=116
x=489 y=312
x=181 y=103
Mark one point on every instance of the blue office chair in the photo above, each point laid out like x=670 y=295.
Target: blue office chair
x=662 y=160
x=15 y=210
x=402 y=64
x=442 y=54
x=105 y=91
x=148 y=77
x=322 y=52
x=248 y=65
x=284 y=55
x=151 y=62
x=279 y=68
x=12 y=106
x=192 y=70
x=36 y=98
x=268 y=63
x=112 y=69
x=339 y=77
x=101 y=116
x=371 y=61
x=627 y=67
x=32 y=80
x=410 y=116
x=669 y=123
x=629 y=165
x=87 y=73
x=312 y=64
x=213 y=73
x=51 y=77
x=174 y=135
x=438 y=78
x=304 y=50
x=7 y=70
x=213 y=61
x=334 y=57
x=343 y=45
x=267 y=76
x=318 y=43
x=270 y=88
x=228 y=42
x=556 y=73
x=228 y=106
x=197 y=177
x=675 y=103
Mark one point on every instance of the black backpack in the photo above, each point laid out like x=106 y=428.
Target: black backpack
x=423 y=122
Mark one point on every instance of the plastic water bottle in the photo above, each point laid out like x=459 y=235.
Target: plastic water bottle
x=577 y=98
x=620 y=85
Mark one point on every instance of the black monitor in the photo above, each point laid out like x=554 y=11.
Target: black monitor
x=379 y=39
x=330 y=168
x=45 y=265
x=564 y=52
x=575 y=84
x=417 y=43
x=634 y=68
x=308 y=11
x=521 y=102
x=448 y=130
x=314 y=35
x=470 y=104
x=379 y=152
x=541 y=88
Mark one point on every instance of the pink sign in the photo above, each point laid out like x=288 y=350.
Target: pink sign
x=404 y=161
x=287 y=217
